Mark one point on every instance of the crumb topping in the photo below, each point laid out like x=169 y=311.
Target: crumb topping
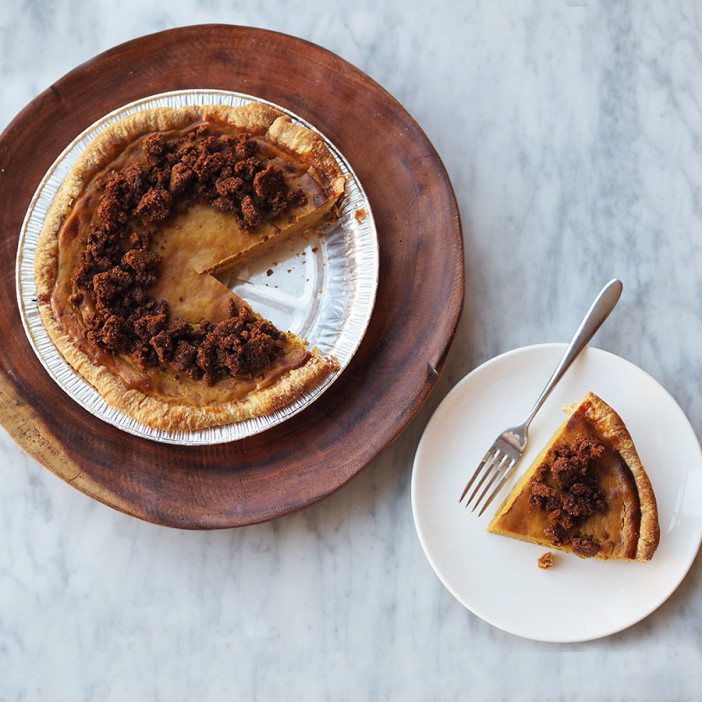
x=545 y=561
x=117 y=267
x=585 y=546
x=565 y=487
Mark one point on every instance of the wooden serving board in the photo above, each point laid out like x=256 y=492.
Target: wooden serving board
x=417 y=308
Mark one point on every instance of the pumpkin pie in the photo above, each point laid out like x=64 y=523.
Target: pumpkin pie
x=587 y=492
x=156 y=212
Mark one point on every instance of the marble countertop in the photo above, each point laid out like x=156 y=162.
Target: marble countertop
x=572 y=132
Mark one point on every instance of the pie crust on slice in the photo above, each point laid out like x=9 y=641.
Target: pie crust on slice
x=159 y=205
x=587 y=492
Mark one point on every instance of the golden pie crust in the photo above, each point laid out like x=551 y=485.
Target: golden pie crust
x=186 y=404
x=629 y=528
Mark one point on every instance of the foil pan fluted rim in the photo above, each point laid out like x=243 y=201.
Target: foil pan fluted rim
x=348 y=266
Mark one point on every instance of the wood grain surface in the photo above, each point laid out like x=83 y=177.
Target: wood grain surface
x=417 y=307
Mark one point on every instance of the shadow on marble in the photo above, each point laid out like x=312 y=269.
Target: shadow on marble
x=659 y=620
x=662 y=622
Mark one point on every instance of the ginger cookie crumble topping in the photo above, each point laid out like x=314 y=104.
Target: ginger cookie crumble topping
x=565 y=487
x=545 y=561
x=117 y=268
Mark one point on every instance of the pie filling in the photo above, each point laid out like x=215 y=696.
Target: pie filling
x=136 y=286
x=582 y=497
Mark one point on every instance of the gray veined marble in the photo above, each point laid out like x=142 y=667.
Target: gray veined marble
x=572 y=132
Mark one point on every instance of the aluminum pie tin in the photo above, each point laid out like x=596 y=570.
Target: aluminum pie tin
x=322 y=288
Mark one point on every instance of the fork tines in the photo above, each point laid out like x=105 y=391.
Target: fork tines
x=496 y=467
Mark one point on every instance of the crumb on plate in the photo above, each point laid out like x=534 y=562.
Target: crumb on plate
x=545 y=561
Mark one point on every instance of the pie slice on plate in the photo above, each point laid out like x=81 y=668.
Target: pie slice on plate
x=159 y=205
x=587 y=492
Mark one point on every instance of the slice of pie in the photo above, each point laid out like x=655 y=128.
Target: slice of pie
x=587 y=492
x=159 y=207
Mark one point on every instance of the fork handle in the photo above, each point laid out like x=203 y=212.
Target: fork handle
x=599 y=311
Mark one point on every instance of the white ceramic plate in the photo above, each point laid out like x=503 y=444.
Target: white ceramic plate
x=497 y=577
x=323 y=290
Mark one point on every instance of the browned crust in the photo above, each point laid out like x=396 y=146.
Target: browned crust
x=255 y=118
x=612 y=427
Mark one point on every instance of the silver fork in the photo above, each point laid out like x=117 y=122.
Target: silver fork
x=501 y=459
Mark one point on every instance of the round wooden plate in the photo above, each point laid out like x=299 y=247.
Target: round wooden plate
x=417 y=306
